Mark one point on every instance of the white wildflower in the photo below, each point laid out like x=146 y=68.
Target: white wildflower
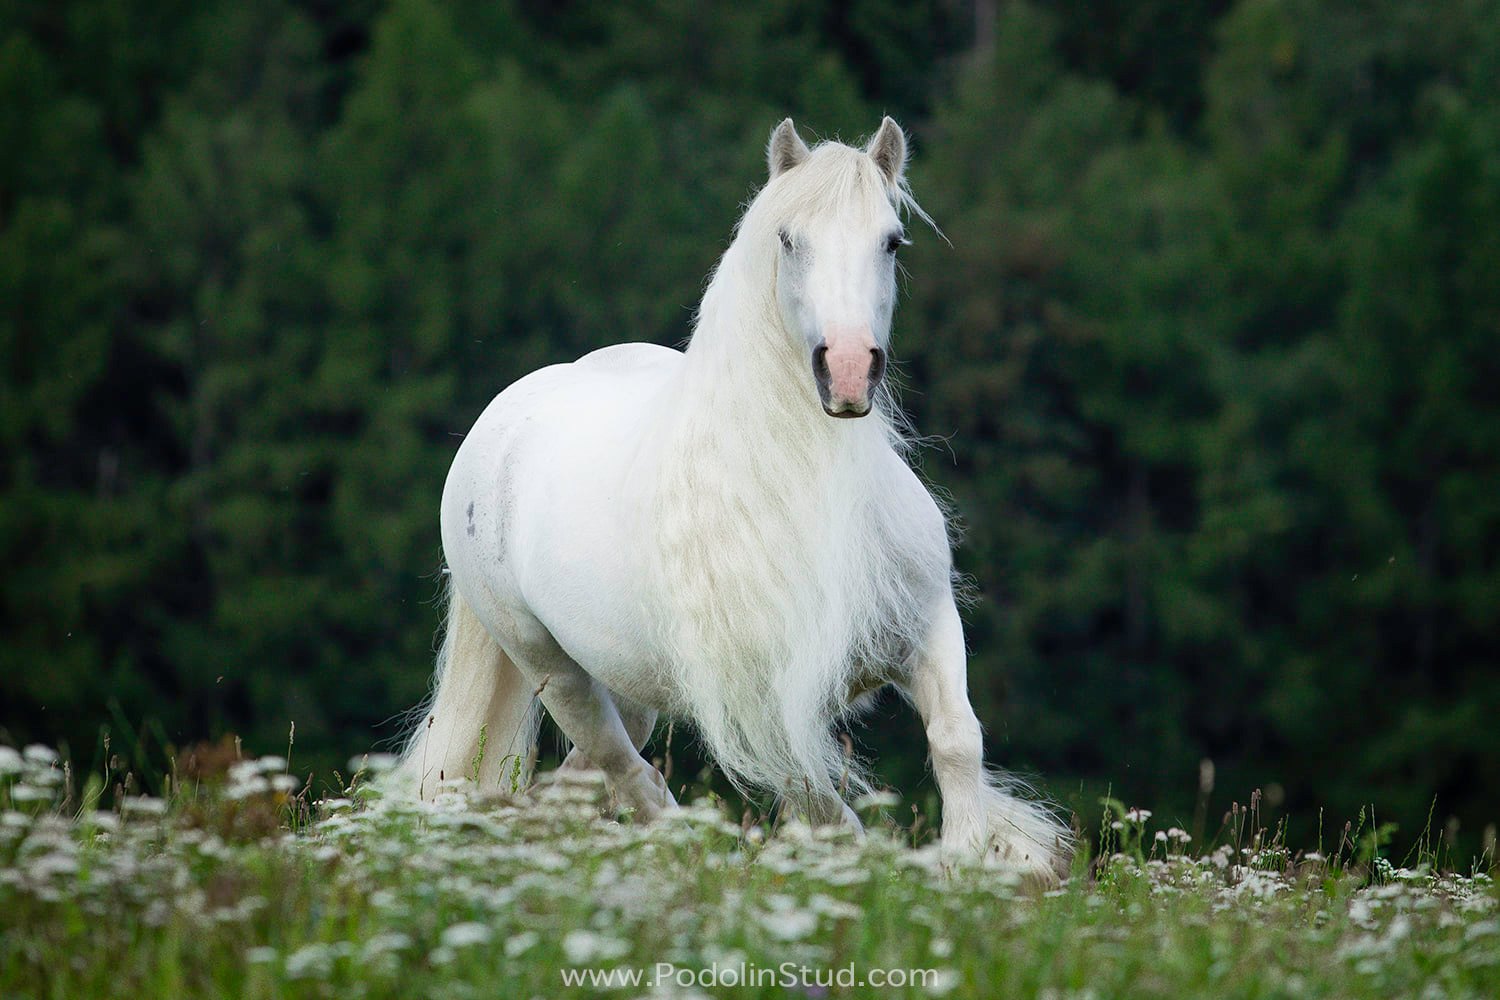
x=941 y=982
x=465 y=935
x=789 y=925
x=519 y=944
x=99 y=819
x=145 y=805
x=46 y=776
x=242 y=771
x=1256 y=884
x=374 y=763
x=310 y=962
x=1475 y=903
x=36 y=753
x=842 y=876
x=244 y=788
x=877 y=800
x=835 y=908
x=49 y=865
x=285 y=783
x=29 y=793
x=1362 y=911
x=780 y=902
x=1483 y=928
x=582 y=947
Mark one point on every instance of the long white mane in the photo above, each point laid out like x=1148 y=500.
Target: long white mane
x=781 y=577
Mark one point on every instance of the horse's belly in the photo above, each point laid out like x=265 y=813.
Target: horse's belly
x=613 y=655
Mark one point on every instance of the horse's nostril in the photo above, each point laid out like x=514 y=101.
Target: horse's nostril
x=821 y=376
x=820 y=361
x=877 y=365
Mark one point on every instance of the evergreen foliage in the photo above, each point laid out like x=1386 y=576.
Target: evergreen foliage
x=1212 y=353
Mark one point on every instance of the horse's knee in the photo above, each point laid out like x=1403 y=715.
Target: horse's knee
x=955 y=742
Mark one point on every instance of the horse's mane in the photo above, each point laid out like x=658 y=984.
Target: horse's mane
x=784 y=563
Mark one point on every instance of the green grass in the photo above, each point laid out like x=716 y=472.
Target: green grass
x=234 y=887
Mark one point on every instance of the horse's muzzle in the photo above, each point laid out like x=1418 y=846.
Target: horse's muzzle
x=847 y=373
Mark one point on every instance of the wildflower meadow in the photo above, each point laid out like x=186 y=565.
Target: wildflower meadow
x=237 y=882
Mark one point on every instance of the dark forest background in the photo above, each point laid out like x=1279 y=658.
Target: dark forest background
x=1212 y=361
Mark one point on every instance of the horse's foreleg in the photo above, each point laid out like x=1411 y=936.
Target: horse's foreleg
x=824 y=811
x=983 y=818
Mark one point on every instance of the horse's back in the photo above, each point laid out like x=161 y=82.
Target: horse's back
x=627 y=369
x=622 y=359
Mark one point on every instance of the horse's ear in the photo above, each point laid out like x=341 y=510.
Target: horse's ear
x=888 y=150
x=786 y=149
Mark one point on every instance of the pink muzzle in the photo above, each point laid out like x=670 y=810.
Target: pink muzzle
x=847 y=366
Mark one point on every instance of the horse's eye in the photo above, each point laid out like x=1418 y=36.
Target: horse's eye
x=786 y=239
x=895 y=241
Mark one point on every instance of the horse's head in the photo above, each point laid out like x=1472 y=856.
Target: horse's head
x=837 y=233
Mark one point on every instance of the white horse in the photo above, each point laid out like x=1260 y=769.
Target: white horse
x=696 y=533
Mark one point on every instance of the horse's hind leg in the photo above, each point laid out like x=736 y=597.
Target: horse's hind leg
x=983 y=818
x=588 y=716
x=639 y=723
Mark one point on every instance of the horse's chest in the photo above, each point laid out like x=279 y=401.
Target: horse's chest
x=755 y=598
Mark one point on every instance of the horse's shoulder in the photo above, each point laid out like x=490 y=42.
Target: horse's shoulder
x=622 y=358
x=912 y=502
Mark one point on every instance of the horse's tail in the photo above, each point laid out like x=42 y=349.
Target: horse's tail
x=481 y=722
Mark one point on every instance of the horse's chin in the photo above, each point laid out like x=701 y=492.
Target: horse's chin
x=848 y=414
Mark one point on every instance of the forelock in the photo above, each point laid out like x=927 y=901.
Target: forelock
x=834 y=178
